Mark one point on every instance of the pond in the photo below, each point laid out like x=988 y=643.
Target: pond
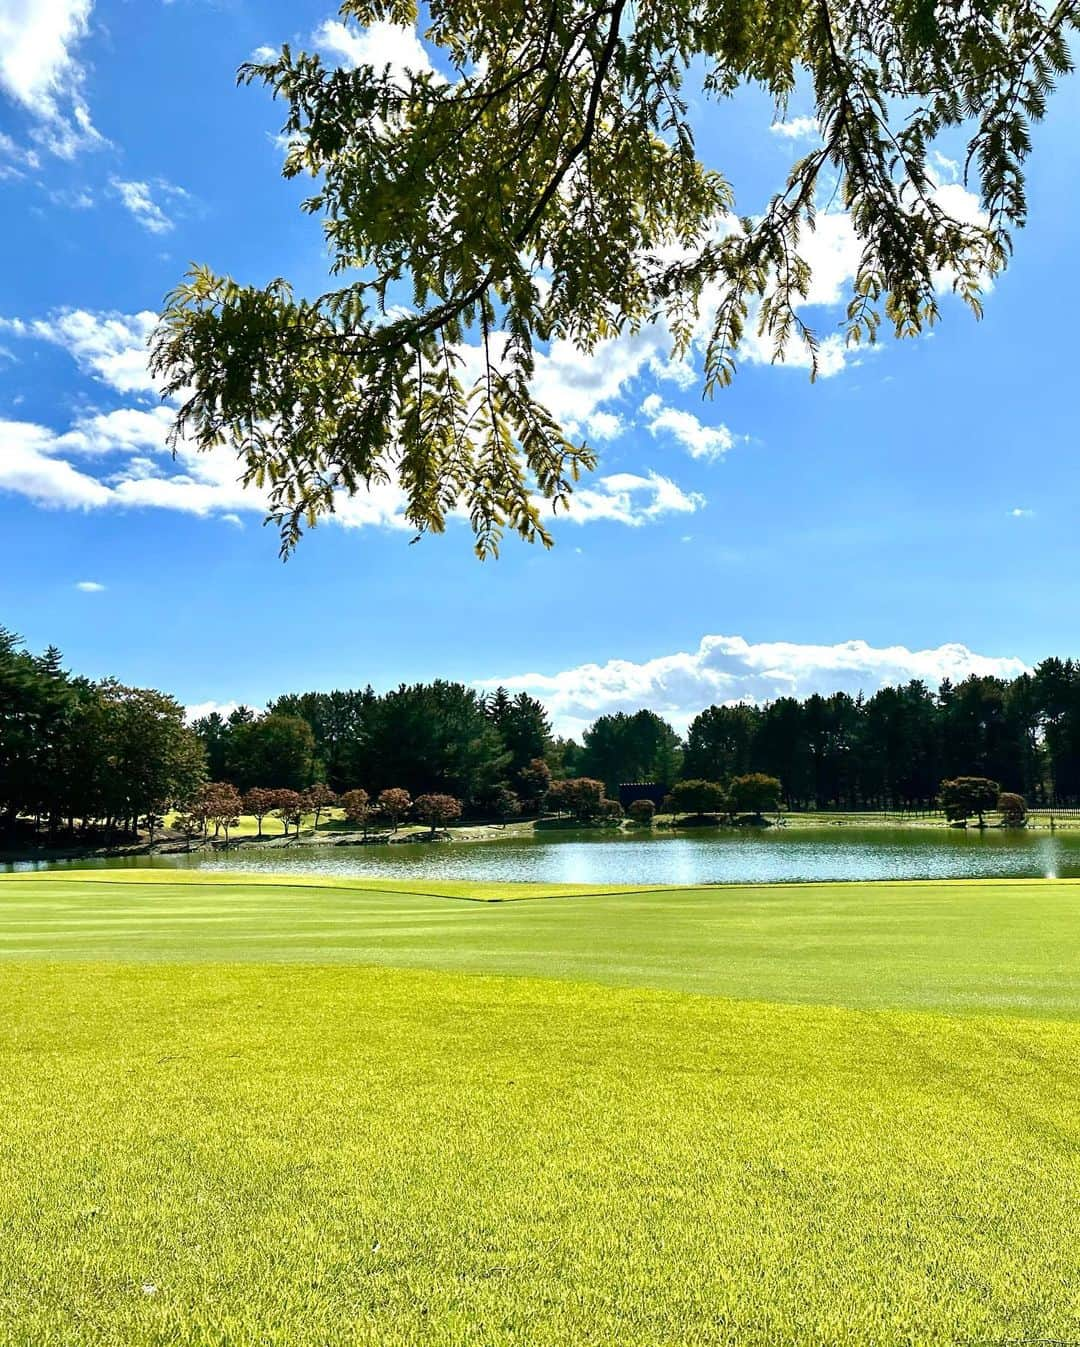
x=774 y=856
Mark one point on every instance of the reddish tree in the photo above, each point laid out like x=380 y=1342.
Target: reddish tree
x=357 y=807
x=219 y=802
x=258 y=802
x=967 y=795
x=394 y=804
x=533 y=783
x=437 y=809
x=289 y=807
x=579 y=796
x=318 y=799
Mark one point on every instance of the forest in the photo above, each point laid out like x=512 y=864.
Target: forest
x=78 y=751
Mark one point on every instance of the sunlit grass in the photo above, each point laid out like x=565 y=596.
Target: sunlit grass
x=207 y=1143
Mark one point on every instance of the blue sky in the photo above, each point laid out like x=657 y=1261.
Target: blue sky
x=846 y=533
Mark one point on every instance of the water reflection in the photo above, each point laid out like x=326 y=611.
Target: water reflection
x=783 y=855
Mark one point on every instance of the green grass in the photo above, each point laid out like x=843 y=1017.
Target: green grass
x=246 y=1113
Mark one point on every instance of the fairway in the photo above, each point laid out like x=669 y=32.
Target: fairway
x=258 y=1113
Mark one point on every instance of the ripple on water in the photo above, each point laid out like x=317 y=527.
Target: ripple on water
x=779 y=856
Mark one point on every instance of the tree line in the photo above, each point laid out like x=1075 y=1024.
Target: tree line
x=98 y=753
x=76 y=752
x=891 y=750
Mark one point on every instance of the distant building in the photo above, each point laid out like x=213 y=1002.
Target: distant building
x=630 y=791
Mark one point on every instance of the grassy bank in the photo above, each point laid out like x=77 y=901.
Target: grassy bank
x=264 y=1114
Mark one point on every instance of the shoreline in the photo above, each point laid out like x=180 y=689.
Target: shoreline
x=171 y=845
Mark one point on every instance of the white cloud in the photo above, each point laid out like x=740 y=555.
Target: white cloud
x=729 y=669
x=35 y=463
x=797 y=128
x=39 y=70
x=1020 y=512
x=200 y=709
x=110 y=346
x=575 y=386
x=942 y=168
x=17 y=159
x=579 y=389
x=380 y=45
x=833 y=355
x=138 y=199
x=627 y=498
x=603 y=426
x=27 y=469
x=699 y=441
x=79 y=199
x=124 y=430
x=90 y=587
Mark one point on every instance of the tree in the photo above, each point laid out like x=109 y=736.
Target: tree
x=274 y=750
x=258 y=802
x=697 y=797
x=218 y=802
x=317 y=799
x=562 y=152
x=523 y=726
x=967 y=795
x=580 y=796
x=504 y=804
x=214 y=733
x=289 y=807
x=357 y=807
x=145 y=757
x=642 y=813
x=754 y=793
x=437 y=809
x=191 y=824
x=432 y=738
x=533 y=783
x=720 y=742
x=1012 y=808
x=393 y=804
x=638 y=747
x=338 y=721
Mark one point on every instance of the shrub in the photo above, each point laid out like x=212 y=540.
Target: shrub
x=1012 y=808
x=642 y=813
x=698 y=797
x=754 y=793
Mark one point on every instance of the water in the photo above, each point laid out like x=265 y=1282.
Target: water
x=778 y=855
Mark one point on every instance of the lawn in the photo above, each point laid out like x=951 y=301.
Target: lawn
x=247 y=1113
